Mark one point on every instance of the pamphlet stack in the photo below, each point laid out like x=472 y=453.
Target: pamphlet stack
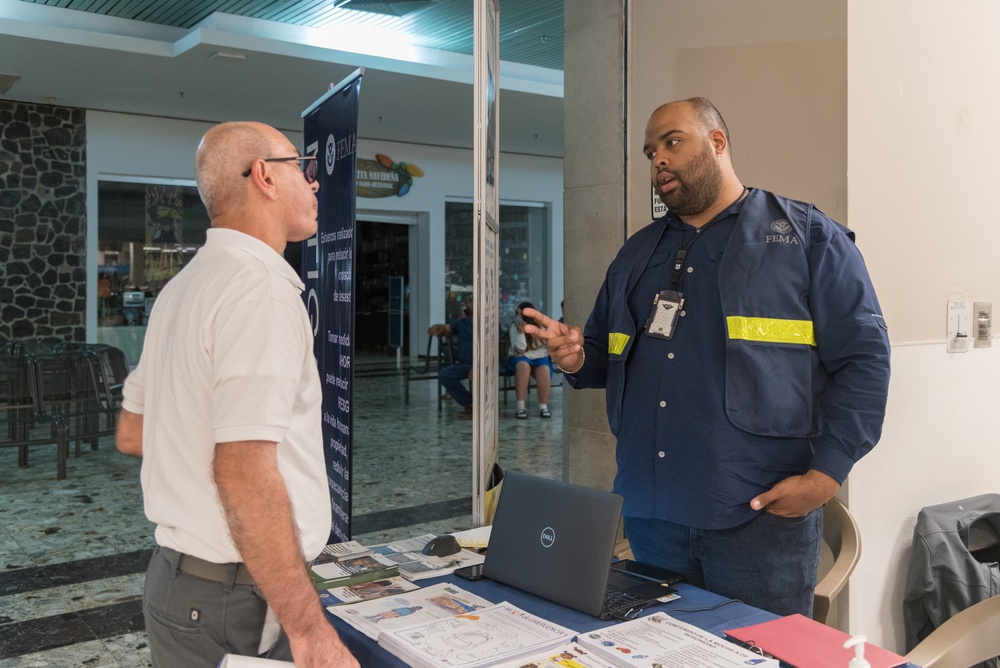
x=495 y=635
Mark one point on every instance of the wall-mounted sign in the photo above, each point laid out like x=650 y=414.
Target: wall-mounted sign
x=384 y=177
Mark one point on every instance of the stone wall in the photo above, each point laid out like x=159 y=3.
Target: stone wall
x=43 y=222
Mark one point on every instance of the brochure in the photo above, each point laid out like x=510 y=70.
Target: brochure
x=339 y=551
x=414 y=565
x=353 y=570
x=474 y=539
x=484 y=637
x=421 y=605
x=365 y=591
x=565 y=656
x=662 y=641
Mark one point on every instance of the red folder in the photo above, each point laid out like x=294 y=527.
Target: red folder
x=805 y=643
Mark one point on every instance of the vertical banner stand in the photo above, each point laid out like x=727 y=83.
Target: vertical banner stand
x=330 y=126
x=486 y=472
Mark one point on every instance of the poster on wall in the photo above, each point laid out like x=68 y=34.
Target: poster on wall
x=330 y=127
x=163 y=250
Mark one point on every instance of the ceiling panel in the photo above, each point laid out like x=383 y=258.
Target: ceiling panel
x=274 y=84
x=531 y=31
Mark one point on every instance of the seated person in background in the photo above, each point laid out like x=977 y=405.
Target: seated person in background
x=452 y=376
x=528 y=357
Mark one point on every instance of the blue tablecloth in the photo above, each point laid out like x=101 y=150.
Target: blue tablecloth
x=698 y=607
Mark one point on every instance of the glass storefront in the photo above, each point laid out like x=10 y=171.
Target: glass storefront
x=146 y=233
x=524 y=253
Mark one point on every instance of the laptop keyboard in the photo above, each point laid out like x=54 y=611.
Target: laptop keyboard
x=616 y=599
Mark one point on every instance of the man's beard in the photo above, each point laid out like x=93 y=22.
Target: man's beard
x=698 y=186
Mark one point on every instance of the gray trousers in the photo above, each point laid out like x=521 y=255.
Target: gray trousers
x=192 y=622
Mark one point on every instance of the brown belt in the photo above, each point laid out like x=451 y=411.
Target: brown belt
x=237 y=573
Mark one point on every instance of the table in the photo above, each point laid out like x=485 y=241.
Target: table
x=727 y=616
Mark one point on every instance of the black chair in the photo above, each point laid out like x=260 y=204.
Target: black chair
x=67 y=388
x=506 y=375
x=22 y=422
x=433 y=363
x=110 y=369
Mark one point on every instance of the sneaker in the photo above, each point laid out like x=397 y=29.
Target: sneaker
x=466 y=412
x=521 y=414
x=545 y=413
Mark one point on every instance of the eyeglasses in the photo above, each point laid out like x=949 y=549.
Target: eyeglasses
x=310 y=167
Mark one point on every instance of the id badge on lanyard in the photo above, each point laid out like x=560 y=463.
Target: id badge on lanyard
x=666 y=311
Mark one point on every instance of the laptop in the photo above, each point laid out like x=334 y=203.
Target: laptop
x=555 y=540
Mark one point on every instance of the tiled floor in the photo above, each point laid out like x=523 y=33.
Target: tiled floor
x=73 y=553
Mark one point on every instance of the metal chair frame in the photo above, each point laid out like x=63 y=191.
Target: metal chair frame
x=22 y=422
x=67 y=387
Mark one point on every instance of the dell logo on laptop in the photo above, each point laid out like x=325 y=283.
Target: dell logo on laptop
x=548 y=537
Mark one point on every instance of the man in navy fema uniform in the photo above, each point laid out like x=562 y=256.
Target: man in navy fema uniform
x=746 y=366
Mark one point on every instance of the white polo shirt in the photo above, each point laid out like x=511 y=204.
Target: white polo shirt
x=228 y=356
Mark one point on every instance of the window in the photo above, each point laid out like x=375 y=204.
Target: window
x=146 y=233
x=524 y=257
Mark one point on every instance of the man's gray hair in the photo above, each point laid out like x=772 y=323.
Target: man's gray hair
x=226 y=151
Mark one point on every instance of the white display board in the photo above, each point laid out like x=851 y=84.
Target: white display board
x=485 y=240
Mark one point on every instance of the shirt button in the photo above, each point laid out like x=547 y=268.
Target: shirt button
x=663 y=404
x=661 y=454
x=683 y=313
x=690 y=269
x=670 y=356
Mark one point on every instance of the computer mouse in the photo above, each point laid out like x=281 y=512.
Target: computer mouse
x=442 y=546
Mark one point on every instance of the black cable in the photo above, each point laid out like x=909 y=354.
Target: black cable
x=714 y=607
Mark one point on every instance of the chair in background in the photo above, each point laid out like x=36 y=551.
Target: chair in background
x=109 y=368
x=506 y=375
x=22 y=423
x=841 y=535
x=67 y=387
x=432 y=363
x=968 y=638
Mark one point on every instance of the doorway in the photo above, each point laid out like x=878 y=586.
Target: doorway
x=382 y=250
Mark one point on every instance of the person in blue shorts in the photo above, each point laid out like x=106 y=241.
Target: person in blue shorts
x=527 y=357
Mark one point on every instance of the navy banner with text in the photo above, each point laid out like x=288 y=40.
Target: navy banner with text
x=330 y=128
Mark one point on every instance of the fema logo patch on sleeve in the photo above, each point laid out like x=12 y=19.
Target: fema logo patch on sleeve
x=781 y=226
x=783 y=233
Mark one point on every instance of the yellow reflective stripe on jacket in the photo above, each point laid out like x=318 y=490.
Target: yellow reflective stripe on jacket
x=771 y=330
x=617 y=342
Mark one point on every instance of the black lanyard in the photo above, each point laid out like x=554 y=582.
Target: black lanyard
x=682 y=252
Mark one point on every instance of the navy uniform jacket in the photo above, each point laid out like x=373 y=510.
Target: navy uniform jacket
x=803 y=353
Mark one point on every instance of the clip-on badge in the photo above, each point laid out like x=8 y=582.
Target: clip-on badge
x=662 y=320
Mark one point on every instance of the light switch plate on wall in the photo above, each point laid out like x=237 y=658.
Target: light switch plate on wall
x=960 y=325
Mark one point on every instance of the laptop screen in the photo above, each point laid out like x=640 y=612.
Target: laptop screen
x=554 y=540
